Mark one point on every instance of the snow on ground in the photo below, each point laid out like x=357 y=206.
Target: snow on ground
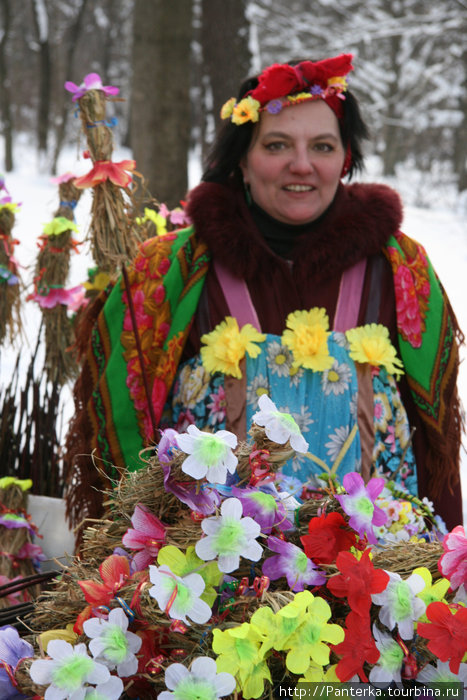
x=442 y=229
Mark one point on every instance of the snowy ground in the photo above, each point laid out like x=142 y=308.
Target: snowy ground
x=440 y=224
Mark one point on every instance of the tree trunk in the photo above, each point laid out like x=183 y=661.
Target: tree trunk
x=460 y=156
x=391 y=129
x=226 y=58
x=74 y=33
x=41 y=25
x=160 y=120
x=5 y=103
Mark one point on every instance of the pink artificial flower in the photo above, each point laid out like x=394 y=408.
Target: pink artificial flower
x=146 y=535
x=359 y=504
x=66 y=177
x=56 y=296
x=92 y=81
x=179 y=217
x=453 y=563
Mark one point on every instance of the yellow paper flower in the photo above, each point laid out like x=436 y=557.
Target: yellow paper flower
x=247 y=110
x=66 y=634
x=226 y=345
x=10 y=206
x=307 y=337
x=339 y=82
x=59 y=225
x=157 y=219
x=371 y=343
x=227 y=108
x=100 y=282
x=7 y=481
x=433 y=592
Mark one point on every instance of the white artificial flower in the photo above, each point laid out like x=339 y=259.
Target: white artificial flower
x=68 y=671
x=201 y=681
x=229 y=536
x=279 y=427
x=179 y=596
x=441 y=673
x=111 y=690
x=210 y=454
x=400 y=604
x=112 y=643
x=388 y=668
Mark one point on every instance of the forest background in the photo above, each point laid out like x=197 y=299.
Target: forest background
x=176 y=62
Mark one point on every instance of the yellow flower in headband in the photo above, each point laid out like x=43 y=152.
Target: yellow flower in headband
x=307 y=337
x=247 y=110
x=371 y=343
x=227 y=108
x=226 y=345
x=339 y=82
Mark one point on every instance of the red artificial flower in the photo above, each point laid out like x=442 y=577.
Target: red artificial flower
x=357 y=647
x=328 y=535
x=115 y=572
x=447 y=633
x=107 y=170
x=358 y=581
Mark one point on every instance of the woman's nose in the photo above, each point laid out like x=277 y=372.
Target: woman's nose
x=302 y=161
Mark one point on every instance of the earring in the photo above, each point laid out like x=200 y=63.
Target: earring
x=246 y=188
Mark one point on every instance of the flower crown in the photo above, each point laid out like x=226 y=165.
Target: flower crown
x=282 y=85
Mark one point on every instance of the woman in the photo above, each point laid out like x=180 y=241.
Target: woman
x=289 y=283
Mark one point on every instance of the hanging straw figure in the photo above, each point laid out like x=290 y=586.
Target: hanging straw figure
x=52 y=270
x=113 y=237
x=19 y=556
x=10 y=320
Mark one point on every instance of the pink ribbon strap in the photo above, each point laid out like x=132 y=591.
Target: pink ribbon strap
x=237 y=297
x=350 y=295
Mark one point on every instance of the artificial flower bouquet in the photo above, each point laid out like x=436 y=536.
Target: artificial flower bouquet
x=214 y=575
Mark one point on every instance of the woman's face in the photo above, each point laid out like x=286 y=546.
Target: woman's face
x=295 y=162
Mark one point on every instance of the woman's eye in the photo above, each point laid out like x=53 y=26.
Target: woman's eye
x=324 y=147
x=275 y=146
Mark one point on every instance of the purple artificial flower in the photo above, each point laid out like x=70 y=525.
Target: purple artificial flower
x=12 y=650
x=316 y=90
x=293 y=563
x=359 y=504
x=33 y=552
x=167 y=444
x=274 y=106
x=264 y=508
x=92 y=81
x=12 y=521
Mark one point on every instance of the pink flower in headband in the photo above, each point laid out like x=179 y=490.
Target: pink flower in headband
x=92 y=81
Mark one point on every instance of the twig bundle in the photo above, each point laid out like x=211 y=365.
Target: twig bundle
x=10 y=319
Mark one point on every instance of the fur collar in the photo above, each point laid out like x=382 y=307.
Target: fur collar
x=357 y=224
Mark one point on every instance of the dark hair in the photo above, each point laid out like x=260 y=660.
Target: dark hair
x=233 y=141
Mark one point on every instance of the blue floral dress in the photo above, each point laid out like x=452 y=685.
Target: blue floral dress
x=324 y=405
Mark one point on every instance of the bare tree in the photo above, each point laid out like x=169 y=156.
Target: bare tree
x=160 y=128
x=226 y=58
x=5 y=102
x=41 y=26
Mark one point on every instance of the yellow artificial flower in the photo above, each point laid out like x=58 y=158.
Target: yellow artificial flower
x=226 y=345
x=299 y=97
x=339 y=82
x=371 y=343
x=247 y=110
x=10 y=206
x=7 y=481
x=433 y=592
x=66 y=635
x=184 y=563
x=227 y=108
x=100 y=282
x=307 y=337
x=157 y=219
x=59 y=225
